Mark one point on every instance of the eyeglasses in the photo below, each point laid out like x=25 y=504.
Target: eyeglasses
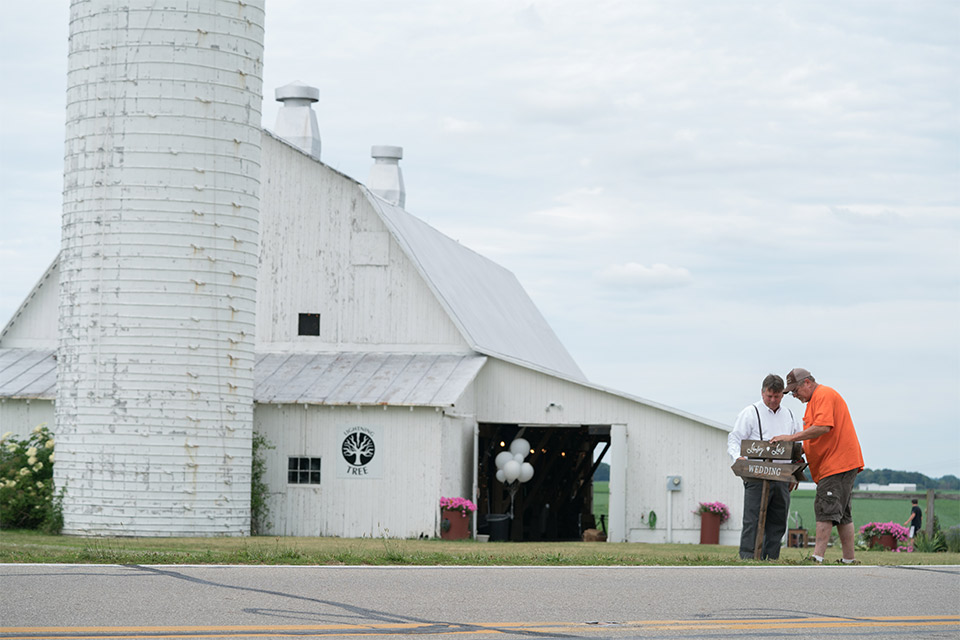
x=799 y=384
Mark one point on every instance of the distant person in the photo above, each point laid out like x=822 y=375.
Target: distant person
x=761 y=421
x=914 y=522
x=833 y=453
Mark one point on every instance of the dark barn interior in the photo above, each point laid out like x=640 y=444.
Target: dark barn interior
x=557 y=503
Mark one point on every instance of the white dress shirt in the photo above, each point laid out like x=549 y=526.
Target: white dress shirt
x=775 y=423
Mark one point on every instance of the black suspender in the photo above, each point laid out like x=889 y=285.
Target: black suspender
x=760 y=423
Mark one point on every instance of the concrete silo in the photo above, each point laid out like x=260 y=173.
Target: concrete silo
x=158 y=271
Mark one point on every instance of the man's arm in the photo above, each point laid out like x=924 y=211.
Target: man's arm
x=910 y=519
x=806 y=434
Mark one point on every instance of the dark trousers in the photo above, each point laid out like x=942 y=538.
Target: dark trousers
x=778 y=506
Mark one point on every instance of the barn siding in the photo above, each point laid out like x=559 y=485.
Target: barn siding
x=457 y=472
x=19 y=417
x=403 y=503
x=659 y=444
x=34 y=325
x=325 y=250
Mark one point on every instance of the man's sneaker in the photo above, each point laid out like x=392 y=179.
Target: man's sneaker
x=842 y=561
x=812 y=560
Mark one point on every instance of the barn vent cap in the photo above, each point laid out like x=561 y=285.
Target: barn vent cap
x=386 y=152
x=296 y=90
x=386 y=177
x=296 y=121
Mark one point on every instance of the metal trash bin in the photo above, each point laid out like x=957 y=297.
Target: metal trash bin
x=499 y=526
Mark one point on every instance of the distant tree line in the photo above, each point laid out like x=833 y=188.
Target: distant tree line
x=867 y=476
x=889 y=476
x=602 y=474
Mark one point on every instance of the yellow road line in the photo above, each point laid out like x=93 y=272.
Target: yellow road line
x=104 y=633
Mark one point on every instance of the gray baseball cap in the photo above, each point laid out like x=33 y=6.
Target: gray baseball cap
x=795 y=377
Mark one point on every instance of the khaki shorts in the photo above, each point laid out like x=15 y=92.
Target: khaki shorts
x=832 y=503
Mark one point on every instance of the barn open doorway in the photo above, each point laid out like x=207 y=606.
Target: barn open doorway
x=557 y=503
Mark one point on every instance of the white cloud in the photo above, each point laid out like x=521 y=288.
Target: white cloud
x=638 y=276
x=455 y=125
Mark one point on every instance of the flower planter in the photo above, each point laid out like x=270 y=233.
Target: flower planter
x=886 y=540
x=459 y=528
x=884 y=534
x=709 y=528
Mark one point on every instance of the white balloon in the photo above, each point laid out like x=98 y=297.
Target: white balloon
x=526 y=471
x=502 y=458
x=500 y=476
x=520 y=446
x=518 y=457
x=511 y=470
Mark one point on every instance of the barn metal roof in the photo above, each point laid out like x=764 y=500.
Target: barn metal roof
x=343 y=378
x=352 y=378
x=485 y=301
x=28 y=373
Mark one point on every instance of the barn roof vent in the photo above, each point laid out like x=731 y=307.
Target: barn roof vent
x=296 y=121
x=386 y=179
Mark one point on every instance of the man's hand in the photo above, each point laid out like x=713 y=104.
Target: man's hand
x=783 y=438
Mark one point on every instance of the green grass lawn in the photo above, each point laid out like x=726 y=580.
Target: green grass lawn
x=32 y=547
x=864 y=510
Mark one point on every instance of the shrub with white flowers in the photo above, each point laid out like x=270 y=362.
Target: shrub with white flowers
x=27 y=499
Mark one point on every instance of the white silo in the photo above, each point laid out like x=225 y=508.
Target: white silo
x=158 y=269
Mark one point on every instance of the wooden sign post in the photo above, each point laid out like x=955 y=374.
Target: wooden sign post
x=760 y=464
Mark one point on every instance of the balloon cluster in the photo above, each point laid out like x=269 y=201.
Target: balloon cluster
x=510 y=464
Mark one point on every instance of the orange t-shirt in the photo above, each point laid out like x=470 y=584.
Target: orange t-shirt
x=838 y=450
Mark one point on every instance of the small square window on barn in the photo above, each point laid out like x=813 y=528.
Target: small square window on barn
x=309 y=324
x=303 y=470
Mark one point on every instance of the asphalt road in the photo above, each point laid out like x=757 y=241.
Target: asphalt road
x=95 y=601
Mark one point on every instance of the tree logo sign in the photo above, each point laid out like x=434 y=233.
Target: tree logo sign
x=359 y=452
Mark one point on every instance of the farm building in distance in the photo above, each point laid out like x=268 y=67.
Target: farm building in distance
x=385 y=363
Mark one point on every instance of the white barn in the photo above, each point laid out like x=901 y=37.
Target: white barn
x=390 y=365
x=371 y=321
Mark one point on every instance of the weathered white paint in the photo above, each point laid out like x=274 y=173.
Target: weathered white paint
x=659 y=443
x=325 y=250
x=403 y=503
x=158 y=267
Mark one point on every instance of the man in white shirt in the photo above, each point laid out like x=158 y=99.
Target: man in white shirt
x=761 y=421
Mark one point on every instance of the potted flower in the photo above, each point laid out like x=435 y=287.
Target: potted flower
x=886 y=534
x=712 y=515
x=455 y=518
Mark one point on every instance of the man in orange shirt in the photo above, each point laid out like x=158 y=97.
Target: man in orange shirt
x=833 y=453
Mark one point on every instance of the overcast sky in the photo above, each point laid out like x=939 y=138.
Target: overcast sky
x=695 y=194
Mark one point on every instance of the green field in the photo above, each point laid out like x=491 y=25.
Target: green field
x=878 y=510
x=601 y=500
x=864 y=509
